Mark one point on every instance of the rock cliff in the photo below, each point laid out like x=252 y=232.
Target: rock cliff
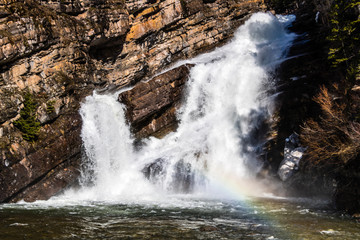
x=54 y=53
x=151 y=106
x=310 y=82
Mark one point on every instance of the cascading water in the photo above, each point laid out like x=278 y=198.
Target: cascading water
x=225 y=97
x=127 y=193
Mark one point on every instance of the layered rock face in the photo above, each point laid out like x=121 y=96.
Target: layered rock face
x=54 y=53
x=151 y=106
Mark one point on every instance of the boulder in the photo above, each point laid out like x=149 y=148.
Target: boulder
x=293 y=153
x=151 y=106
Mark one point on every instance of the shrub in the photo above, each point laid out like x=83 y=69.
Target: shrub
x=334 y=139
x=27 y=122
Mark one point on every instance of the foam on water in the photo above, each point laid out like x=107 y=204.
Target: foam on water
x=212 y=149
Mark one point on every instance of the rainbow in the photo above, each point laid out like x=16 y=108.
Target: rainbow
x=249 y=192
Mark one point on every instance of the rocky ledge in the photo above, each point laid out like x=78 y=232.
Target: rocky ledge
x=151 y=106
x=53 y=53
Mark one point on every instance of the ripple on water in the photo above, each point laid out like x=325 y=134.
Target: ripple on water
x=201 y=220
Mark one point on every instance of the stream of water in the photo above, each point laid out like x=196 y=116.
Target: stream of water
x=214 y=150
x=195 y=183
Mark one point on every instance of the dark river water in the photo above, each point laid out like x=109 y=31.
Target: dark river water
x=260 y=218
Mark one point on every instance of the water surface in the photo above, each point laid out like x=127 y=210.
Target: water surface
x=187 y=218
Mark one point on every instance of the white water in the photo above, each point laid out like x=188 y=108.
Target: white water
x=212 y=148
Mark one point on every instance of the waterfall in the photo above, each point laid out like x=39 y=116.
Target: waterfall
x=226 y=101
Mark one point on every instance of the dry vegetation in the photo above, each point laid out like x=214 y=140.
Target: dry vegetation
x=334 y=139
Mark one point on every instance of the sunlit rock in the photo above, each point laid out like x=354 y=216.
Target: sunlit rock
x=293 y=153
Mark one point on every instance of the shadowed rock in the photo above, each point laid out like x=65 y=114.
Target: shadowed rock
x=151 y=106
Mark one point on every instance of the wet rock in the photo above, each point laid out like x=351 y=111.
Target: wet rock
x=183 y=179
x=151 y=106
x=61 y=146
x=54 y=182
x=300 y=76
x=293 y=153
x=154 y=170
x=182 y=175
x=347 y=189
